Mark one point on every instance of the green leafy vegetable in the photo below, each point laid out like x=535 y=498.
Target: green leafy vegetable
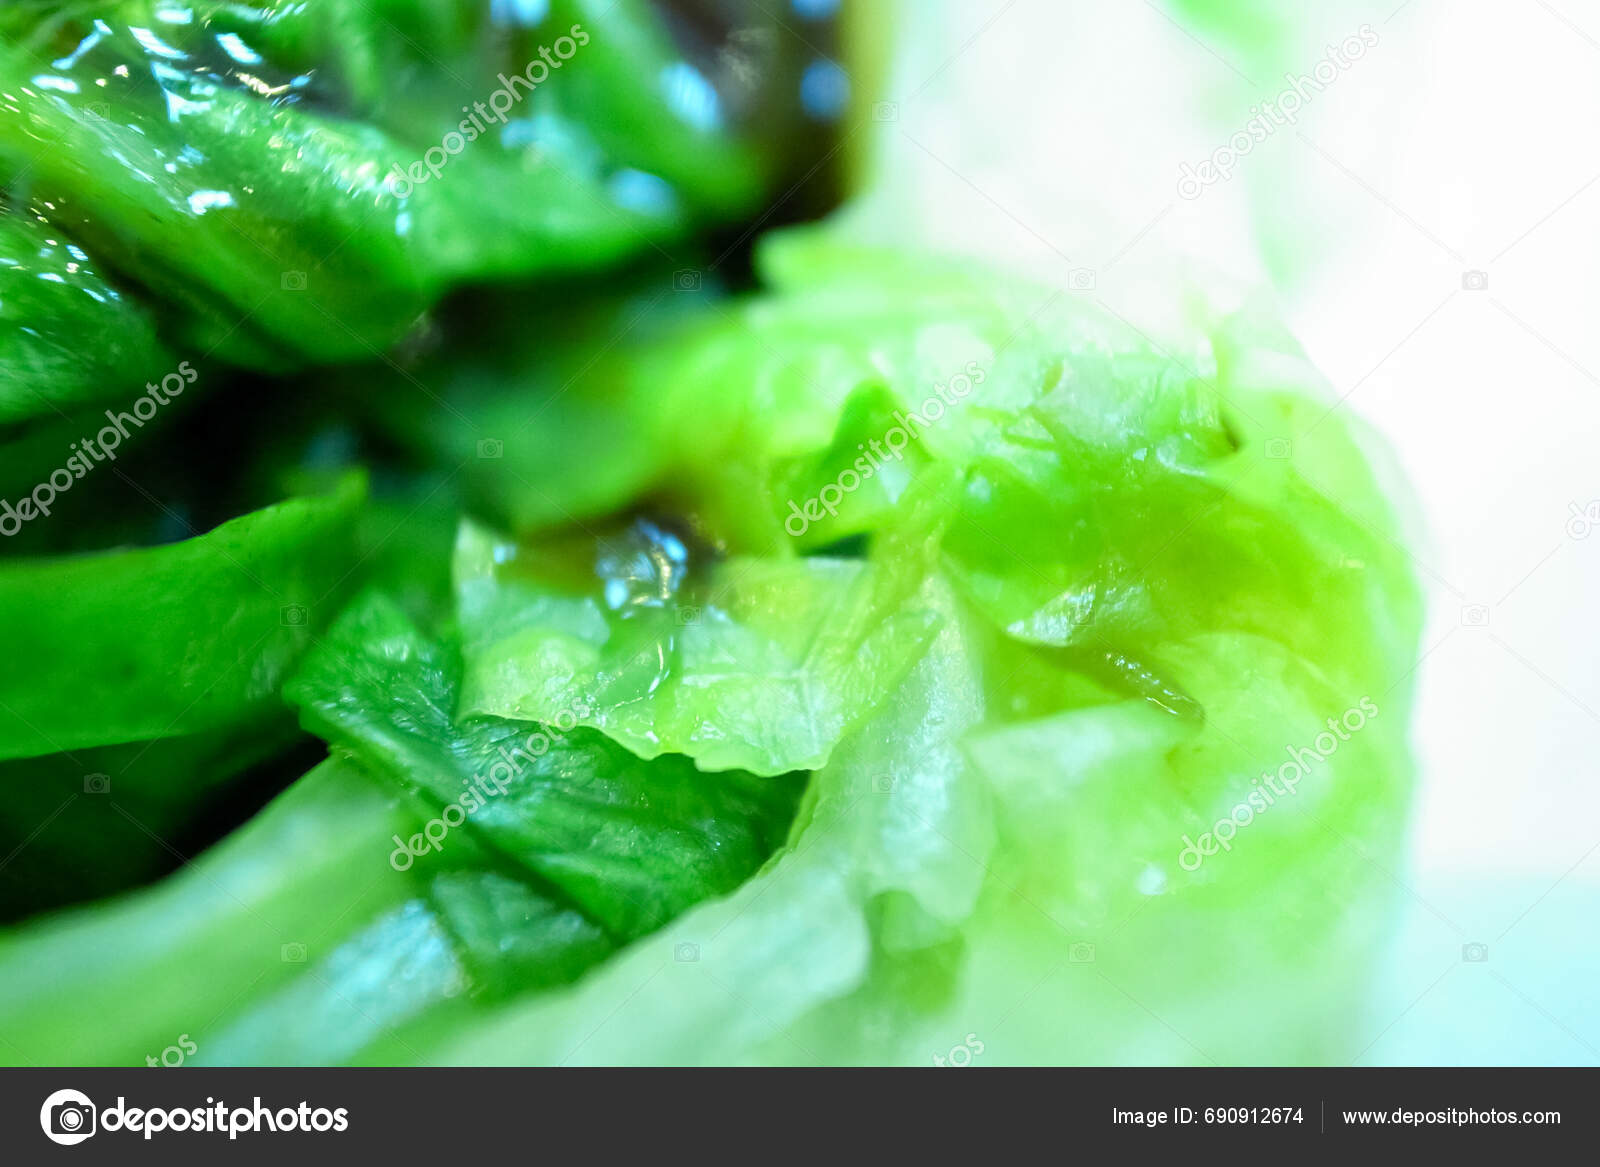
x=632 y=844
x=901 y=656
x=747 y=663
x=586 y=845
x=211 y=939
x=52 y=296
x=133 y=645
x=303 y=180
x=139 y=810
x=1155 y=625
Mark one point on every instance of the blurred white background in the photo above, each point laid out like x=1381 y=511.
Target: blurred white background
x=1462 y=141
x=1469 y=142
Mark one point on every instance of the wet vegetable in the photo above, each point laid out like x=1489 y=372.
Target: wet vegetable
x=521 y=654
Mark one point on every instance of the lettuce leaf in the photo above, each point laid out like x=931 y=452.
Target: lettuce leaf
x=55 y=295
x=128 y=646
x=748 y=663
x=303 y=939
x=1147 y=761
x=137 y=971
x=631 y=843
x=138 y=808
x=249 y=163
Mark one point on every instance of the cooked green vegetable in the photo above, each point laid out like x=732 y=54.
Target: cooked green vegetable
x=1147 y=615
x=300 y=181
x=562 y=846
x=127 y=646
x=52 y=296
x=140 y=970
x=1094 y=603
x=92 y=822
x=756 y=663
x=893 y=655
x=630 y=843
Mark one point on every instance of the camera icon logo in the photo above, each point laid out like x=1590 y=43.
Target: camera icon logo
x=1475 y=953
x=1279 y=449
x=883 y=784
x=1081 y=279
x=1475 y=616
x=97 y=783
x=67 y=1117
x=686 y=280
x=1081 y=953
x=292 y=616
x=294 y=281
x=886 y=111
x=686 y=953
x=1475 y=281
x=491 y=448
x=294 y=953
x=688 y=614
